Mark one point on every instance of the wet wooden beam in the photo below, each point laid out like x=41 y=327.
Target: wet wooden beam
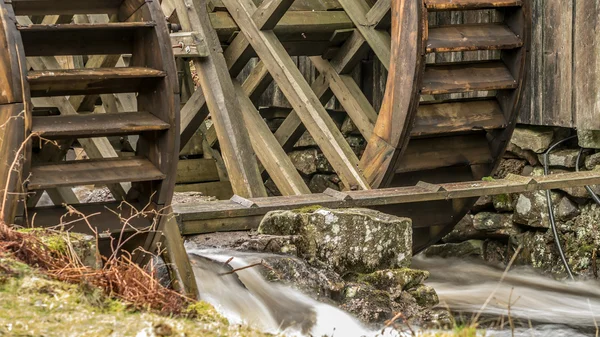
x=197 y=218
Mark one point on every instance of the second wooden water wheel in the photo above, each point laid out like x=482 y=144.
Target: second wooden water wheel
x=440 y=121
x=89 y=72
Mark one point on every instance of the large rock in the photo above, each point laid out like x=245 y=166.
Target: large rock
x=532 y=209
x=566 y=210
x=483 y=225
x=561 y=158
x=305 y=161
x=494 y=225
x=471 y=248
x=528 y=155
x=484 y=203
x=592 y=161
x=536 y=139
x=320 y=182
x=306 y=140
x=510 y=166
x=589 y=139
x=347 y=240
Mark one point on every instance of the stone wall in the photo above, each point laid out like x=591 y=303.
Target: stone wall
x=499 y=224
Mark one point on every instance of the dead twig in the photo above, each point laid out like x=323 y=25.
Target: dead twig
x=261 y=263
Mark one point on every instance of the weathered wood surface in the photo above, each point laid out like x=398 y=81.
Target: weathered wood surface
x=586 y=91
x=196 y=218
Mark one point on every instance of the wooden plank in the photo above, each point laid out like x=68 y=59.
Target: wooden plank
x=587 y=64
x=264 y=17
x=431 y=153
x=12 y=73
x=344 y=62
x=557 y=63
x=465 y=77
x=196 y=214
x=75 y=39
x=12 y=135
x=379 y=40
x=486 y=36
x=124 y=8
x=293 y=26
x=64 y=82
x=446 y=5
x=177 y=259
x=97 y=125
x=301 y=96
x=196 y=171
x=269 y=151
x=220 y=189
x=101 y=171
x=380 y=15
x=459 y=116
x=219 y=94
x=350 y=96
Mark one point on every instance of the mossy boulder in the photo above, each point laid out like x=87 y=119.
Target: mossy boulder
x=471 y=248
x=347 y=240
x=532 y=209
x=425 y=296
x=67 y=243
x=390 y=279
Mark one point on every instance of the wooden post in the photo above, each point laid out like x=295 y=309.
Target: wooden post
x=177 y=259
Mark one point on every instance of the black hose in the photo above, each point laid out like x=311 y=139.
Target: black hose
x=588 y=188
x=551 y=209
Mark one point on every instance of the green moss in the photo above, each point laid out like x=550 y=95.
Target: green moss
x=32 y=305
x=308 y=209
x=502 y=198
x=488 y=179
x=56 y=241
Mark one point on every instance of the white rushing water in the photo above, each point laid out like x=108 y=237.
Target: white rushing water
x=554 y=308
x=247 y=298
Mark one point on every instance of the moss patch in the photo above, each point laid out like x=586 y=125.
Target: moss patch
x=33 y=305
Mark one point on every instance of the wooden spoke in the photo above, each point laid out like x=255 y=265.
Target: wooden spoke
x=221 y=100
x=302 y=98
x=269 y=152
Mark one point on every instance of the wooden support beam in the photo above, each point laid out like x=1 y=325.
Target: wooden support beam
x=222 y=103
x=349 y=55
x=379 y=40
x=302 y=98
x=267 y=149
x=380 y=15
x=209 y=217
x=350 y=97
x=177 y=259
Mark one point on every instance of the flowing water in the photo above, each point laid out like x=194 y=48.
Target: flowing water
x=539 y=306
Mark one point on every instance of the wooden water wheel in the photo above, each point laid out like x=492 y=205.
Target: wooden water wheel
x=440 y=121
x=60 y=59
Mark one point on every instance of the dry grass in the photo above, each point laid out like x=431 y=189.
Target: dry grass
x=119 y=277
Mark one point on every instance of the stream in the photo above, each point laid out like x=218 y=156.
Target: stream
x=540 y=306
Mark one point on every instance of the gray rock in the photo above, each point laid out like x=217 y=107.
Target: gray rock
x=318 y=283
x=305 y=161
x=528 y=155
x=494 y=225
x=306 y=140
x=471 y=248
x=425 y=296
x=589 y=139
x=368 y=304
x=504 y=202
x=358 y=144
x=566 y=210
x=464 y=230
x=536 y=139
x=161 y=271
x=592 y=161
x=348 y=127
x=561 y=158
x=323 y=165
x=532 y=209
x=347 y=240
x=320 y=182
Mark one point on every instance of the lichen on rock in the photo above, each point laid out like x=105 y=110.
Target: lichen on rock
x=347 y=240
